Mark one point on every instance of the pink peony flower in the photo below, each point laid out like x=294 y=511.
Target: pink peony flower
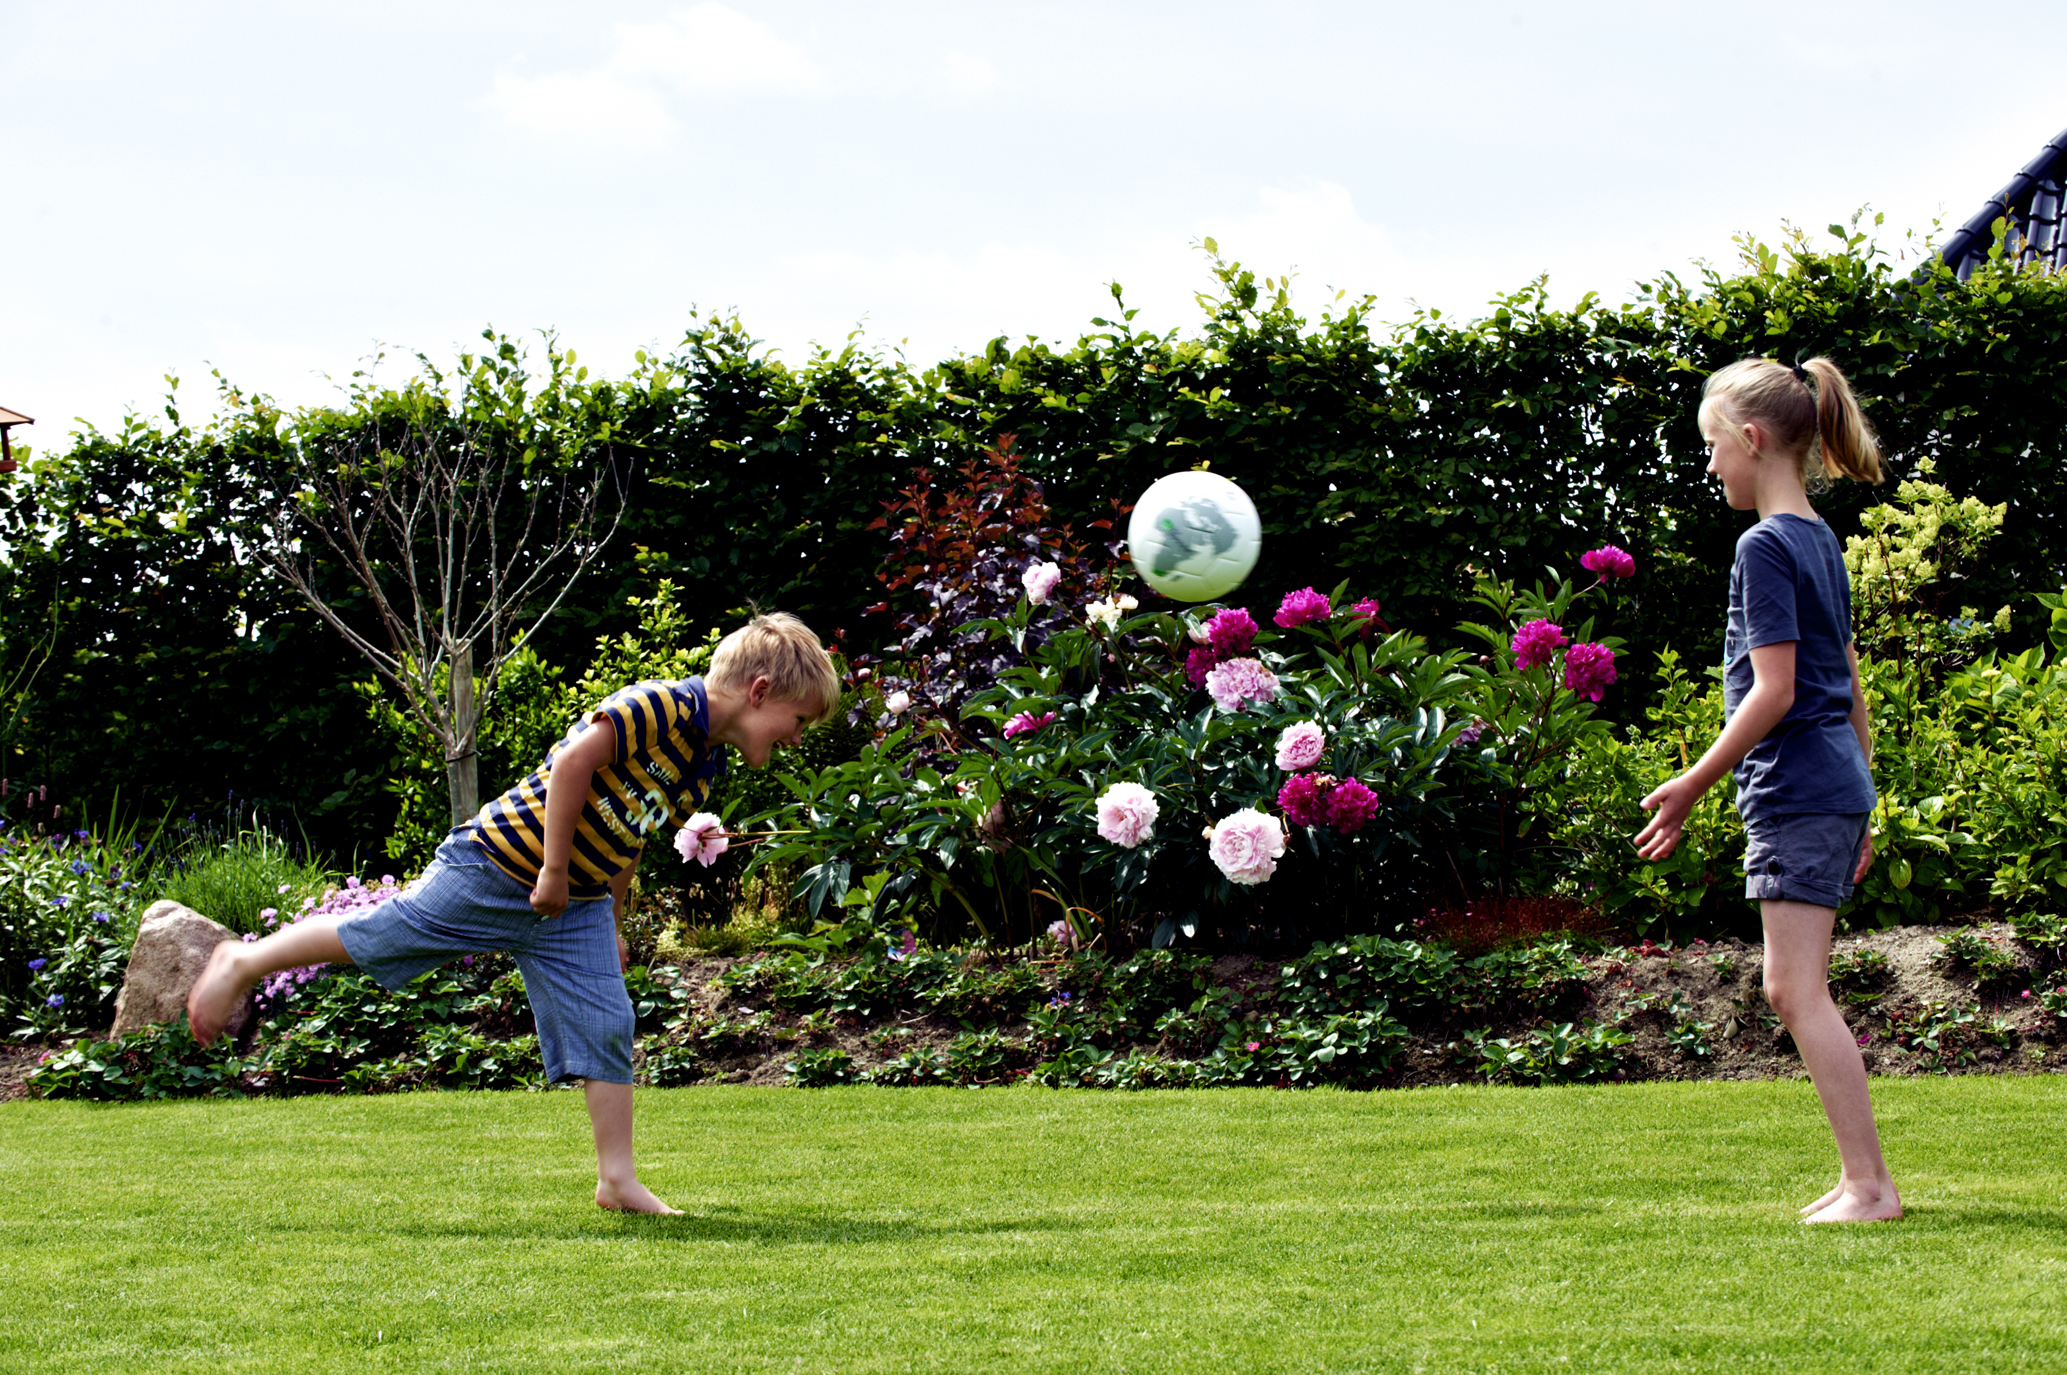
x=702 y=838
x=1589 y=668
x=1304 y=798
x=1025 y=723
x=1040 y=580
x=1365 y=613
x=1535 y=642
x=1300 y=607
x=1608 y=561
x=1240 y=681
x=1246 y=846
x=1060 y=934
x=1198 y=664
x=1350 y=805
x=1231 y=633
x=1127 y=814
x=1300 y=746
x=1196 y=630
x=1471 y=732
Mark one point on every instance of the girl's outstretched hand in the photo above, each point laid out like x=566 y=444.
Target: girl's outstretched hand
x=1673 y=800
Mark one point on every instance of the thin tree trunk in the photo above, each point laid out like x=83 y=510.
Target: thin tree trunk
x=462 y=761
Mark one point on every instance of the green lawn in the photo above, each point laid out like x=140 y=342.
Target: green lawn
x=1647 y=1227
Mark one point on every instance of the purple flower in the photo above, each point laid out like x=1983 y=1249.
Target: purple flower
x=1350 y=805
x=1608 y=561
x=1470 y=734
x=904 y=946
x=1026 y=723
x=102 y=917
x=1238 y=682
x=1198 y=663
x=1536 y=642
x=1230 y=633
x=387 y=880
x=1060 y=1000
x=1589 y=668
x=35 y=965
x=54 y=1000
x=352 y=883
x=60 y=900
x=1304 y=797
x=1300 y=607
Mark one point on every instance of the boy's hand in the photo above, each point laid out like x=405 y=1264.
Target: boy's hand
x=1865 y=857
x=549 y=895
x=1673 y=800
x=624 y=955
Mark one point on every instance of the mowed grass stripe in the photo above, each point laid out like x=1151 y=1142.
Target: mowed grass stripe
x=1643 y=1227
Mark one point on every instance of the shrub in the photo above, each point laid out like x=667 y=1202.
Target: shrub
x=242 y=880
x=819 y=1068
x=1552 y=1055
x=69 y=903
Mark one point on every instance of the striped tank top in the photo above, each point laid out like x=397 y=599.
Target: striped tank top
x=662 y=771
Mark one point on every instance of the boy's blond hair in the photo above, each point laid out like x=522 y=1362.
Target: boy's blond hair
x=781 y=648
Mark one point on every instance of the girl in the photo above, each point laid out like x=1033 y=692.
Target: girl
x=1795 y=729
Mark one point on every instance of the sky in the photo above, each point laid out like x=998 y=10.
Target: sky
x=279 y=192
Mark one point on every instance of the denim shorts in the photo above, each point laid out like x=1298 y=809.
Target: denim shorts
x=1805 y=858
x=464 y=905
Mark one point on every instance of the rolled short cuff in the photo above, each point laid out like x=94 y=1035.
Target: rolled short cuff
x=1803 y=858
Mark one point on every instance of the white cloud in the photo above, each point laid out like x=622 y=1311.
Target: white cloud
x=967 y=75
x=618 y=106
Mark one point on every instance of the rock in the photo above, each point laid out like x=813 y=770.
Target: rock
x=172 y=948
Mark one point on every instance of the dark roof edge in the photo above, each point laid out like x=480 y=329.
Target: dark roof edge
x=2049 y=164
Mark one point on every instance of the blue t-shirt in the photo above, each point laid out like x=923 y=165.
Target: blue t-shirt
x=1789 y=583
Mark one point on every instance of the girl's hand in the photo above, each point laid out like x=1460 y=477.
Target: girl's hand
x=1865 y=857
x=1673 y=800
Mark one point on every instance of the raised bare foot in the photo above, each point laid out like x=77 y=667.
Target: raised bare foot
x=1884 y=1206
x=632 y=1198
x=215 y=994
x=1824 y=1202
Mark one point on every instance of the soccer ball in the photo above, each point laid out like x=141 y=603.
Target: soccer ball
x=1194 y=536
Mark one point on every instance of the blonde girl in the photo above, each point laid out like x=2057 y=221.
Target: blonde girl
x=1795 y=730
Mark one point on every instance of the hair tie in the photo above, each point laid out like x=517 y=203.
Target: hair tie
x=1801 y=374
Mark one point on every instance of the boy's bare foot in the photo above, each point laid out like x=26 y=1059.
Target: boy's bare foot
x=1883 y=1206
x=632 y=1198
x=215 y=994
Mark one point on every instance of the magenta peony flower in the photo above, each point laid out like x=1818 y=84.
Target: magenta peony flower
x=1365 y=614
x=1231 y=632
x=1246 y=846
x=1300 y=607
x=1127 y=814
x=1304 y=798
x=1608 y=561
x=1025 y=723
x=1198 y=664
x=1589 y=668
x=702 y=838
x=1240 y=681
x=1535 y=642
x=1040 y=580
x=1350 y=805
x=1300 y=746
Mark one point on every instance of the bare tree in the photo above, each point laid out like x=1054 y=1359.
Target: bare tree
x=456 y=522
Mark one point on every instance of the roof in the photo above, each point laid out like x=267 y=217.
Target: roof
x=8 y=417
x=2031 y=203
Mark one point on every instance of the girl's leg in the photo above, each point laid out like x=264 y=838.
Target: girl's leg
x=1797 y=984
x=235 y=967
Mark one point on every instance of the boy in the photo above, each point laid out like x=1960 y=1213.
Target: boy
x=543 y=870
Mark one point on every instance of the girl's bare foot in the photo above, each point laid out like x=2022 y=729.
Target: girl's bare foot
x=1883 y=1205
x=215 y=993
x=632 y=1198
x=1824 y=1202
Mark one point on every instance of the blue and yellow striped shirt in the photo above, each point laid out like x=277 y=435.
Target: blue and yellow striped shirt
x=660 y=773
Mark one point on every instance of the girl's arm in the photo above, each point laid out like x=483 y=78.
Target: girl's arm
x=1770 y=698
x=1862 y=722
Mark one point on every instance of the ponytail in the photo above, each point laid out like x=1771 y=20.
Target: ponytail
x=1807 y=409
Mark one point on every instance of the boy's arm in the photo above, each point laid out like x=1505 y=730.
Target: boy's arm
x=620 y=900
x=1770 y=698
x=566 y=792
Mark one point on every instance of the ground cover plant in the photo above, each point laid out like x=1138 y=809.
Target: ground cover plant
x=1632 y=1228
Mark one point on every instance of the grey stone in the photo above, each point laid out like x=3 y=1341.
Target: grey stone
x=172 y=948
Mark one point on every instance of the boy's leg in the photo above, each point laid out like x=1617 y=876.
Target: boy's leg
x=617 y=1178
x=235 y=967
x=1797 y=974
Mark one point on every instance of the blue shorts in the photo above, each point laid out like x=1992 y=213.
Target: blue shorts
x=464 y=905
x=1806 y=858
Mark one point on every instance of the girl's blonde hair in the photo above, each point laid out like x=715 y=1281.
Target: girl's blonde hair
x=778 y=646
x=1808 y=408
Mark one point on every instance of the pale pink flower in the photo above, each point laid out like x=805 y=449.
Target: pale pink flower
x=1197 y=631
x=1040 y=580
x=1127 y=814
x=1240 y=681
x=1536 y=642
x=1105 y=612
x=1246 y=846
x=1300 y=746
x=702 y=838
x=897 y=703
x=1059 y=932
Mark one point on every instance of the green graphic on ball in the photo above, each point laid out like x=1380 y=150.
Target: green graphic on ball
x=1194 y=536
